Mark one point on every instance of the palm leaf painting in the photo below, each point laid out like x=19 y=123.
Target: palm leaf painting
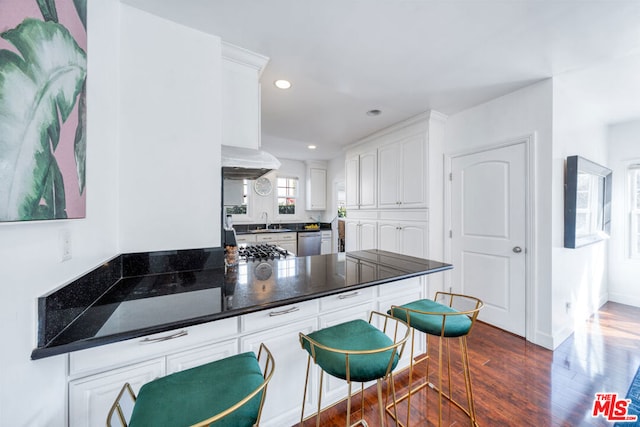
x=40 y=85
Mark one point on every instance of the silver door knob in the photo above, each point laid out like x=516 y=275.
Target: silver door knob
x=517 y=249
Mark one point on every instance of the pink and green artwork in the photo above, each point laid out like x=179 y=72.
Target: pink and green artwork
x=43 y=70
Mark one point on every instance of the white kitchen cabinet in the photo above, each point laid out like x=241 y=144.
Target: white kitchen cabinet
x=326 y=242
x=97 y=374
x=408 y=238
x=91 y=398
x=284 y=394
x=288 y=241
x=245 y=238
x=360 y=235
x=360 y=180
x=241 y=70
x=402 y=173
x=316 y=197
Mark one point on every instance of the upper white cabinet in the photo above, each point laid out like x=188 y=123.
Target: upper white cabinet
x=316 y=199
x=361 y=175
x=402 y=172
x=241 y=70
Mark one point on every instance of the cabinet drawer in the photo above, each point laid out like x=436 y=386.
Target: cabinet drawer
x=121 y=353
x=347 y=299
x=400 y=287
x=267 y=237
x=245 y=238
x=287 y=236
x=266 y=319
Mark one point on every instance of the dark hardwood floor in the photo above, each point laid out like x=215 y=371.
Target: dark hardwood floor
x=517 y=383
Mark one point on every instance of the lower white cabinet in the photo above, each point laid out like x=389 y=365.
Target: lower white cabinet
x=284 y=396
x=325 y=246
x=94 y=381
x=97 y=374
x=288 y=241
x=91 y=398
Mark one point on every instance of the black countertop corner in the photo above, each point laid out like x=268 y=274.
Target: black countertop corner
x=138 y=294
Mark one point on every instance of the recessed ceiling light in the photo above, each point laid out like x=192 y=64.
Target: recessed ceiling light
x=374 y=112
x=311 y=147
x=282 y=84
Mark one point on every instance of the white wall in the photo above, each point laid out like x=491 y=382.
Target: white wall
x=170 y=135
x=624 y=149
x=579 y=275
x=522 y=113
x=32 y=393
x=153 y=182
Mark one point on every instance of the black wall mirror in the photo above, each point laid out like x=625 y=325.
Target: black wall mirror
x=587 y=202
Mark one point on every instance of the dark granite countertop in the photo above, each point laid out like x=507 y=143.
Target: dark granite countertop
x=281 y=227
x=134 y=295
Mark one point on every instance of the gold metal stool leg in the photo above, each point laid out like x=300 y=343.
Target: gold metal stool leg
x=431 y=317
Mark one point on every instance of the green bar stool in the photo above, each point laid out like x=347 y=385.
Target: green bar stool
x=453 y=317
x=228 y=392
x=356 y=351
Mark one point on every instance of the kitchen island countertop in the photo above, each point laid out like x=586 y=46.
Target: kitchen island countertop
x=156 y=292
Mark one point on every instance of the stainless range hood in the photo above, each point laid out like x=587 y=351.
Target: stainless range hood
x=246 y=163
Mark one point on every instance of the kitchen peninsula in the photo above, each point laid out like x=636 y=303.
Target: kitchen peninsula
x=140 y=316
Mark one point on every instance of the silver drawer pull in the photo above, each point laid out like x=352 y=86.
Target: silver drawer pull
x=351 y=295
x=165 y=338
x=287 y=311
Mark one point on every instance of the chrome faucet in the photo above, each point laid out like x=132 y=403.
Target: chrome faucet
x=265 y=215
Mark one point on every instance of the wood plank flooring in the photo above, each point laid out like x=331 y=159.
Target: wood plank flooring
x=517 y=383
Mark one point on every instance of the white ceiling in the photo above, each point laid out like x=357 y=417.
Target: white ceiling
x=345 y=57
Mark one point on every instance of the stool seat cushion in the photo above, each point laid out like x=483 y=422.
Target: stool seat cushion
x=355 y=335
x=187 y=397
x=454 y=326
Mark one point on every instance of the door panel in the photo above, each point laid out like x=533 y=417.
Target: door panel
x=488 y=218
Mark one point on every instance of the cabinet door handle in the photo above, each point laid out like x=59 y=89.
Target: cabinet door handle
x=287 y=311
x=351 y=295
x=164 y=338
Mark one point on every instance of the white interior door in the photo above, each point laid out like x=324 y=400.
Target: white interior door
x=488 y=220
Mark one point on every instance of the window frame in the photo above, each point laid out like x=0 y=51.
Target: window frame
x=633 y=211
x=296 y=196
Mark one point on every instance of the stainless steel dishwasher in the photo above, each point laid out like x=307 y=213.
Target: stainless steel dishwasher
x=309 y=243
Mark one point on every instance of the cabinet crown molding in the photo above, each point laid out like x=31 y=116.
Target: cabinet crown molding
x=418 y=120
x=244 y=56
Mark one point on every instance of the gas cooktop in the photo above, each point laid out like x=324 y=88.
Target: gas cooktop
x=261 y=251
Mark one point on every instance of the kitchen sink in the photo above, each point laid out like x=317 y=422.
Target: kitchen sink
x=270 y=230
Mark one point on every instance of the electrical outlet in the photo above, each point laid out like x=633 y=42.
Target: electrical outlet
x=65 y=245
x=568 y=307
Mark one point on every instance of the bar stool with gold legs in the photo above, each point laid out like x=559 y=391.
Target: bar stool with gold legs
x=228 y=392
x=449 y=315
x=356 y=351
